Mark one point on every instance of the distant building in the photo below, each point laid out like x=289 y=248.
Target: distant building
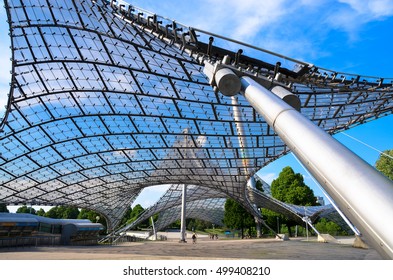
x=320 y=200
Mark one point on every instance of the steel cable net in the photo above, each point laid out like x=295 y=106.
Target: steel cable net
x=106 y=100
x=208 y=204
x=202 y=203
x=213 y=209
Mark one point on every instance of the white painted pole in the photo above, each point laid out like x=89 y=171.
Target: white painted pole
x=154 y=228
x=183 y=215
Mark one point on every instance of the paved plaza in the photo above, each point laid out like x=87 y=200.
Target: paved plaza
x=294 y=249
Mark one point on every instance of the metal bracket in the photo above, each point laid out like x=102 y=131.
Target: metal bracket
x=211 y=68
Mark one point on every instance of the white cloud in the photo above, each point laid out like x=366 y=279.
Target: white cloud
x=372 y=9
x=351 y=15
x=241 y=20
x=150 y=195
x=5 y=76
x=4 y=89
x=268 y=177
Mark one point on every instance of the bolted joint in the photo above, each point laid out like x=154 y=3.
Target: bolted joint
x=227 y=79
x=223 y=78
x=288 y=97
x=227 y=82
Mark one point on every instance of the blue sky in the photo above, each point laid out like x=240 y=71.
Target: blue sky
x=353 y=36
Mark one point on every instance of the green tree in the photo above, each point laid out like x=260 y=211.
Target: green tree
x=385 y=163
x=88 y=215
x=259 y=185
x=62 y=212
x=70 y=212
x=176 y=225
x=330 y=227
x=271 y=218
x=92 y=216
x=53 y=213
x=41 y=212
x=197 y=224
x=3 y=208
x=136 y=211
x=126 y=216
x=236 y=217
x=25 y=209
x=289 y=187
x=132 y=214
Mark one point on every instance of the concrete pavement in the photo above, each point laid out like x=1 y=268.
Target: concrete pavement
x=296 y=249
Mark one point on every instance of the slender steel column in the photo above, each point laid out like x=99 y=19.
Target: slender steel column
x=361 y=192
x=154 y=228
x=258 y=224
x=237 y=116
x=183 y=215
